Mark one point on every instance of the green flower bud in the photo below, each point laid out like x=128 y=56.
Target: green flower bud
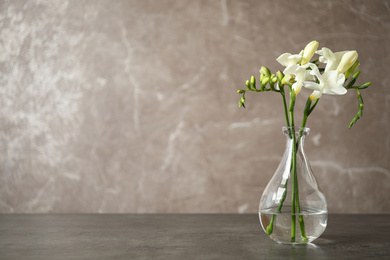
x=262 y=77
x=265 y=81
x=265 y=71
x=356 y=75
x=353 y=79
x=247 y=84
x=352 y=69
x=253 y=82
x=280 y=76
x=365 y=85
x=240 y=91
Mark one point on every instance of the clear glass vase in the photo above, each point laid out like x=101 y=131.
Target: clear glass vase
x=292 y=208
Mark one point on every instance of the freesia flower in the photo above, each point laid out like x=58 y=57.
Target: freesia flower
x=330 y=82
x=299 y=71
x=301 y=75
x=291 y=62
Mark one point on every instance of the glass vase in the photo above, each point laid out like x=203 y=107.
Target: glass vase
x=292 y=208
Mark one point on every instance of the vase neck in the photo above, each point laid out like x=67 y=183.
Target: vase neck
x=296 y=134
x=298 y=131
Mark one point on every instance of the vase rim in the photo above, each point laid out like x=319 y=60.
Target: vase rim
x=287 y=129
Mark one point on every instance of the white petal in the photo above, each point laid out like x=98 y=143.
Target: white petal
x=340 y=79
x=337 y=90
x=309 y=76
x=333 y=83
x=292 y=69
x=283 y=59
x=320 y=52
x=315 y=95
x=330 y=59
x=330 y=78
x=297 y=86
x=294 y=59
x=312 y=85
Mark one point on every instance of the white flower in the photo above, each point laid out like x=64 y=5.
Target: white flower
x=301 y=75
x=330 y=82
x=290 y=61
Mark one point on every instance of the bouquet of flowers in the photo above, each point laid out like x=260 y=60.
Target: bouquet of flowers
x=301 y=72
x=332 y=73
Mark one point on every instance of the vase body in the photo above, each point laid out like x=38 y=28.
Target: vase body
x=292 y=208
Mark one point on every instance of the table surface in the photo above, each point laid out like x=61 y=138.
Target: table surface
x=183 y=236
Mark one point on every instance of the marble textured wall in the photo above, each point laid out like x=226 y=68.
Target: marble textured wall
x=131 y=106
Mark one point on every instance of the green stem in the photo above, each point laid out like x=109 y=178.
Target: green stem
x=270 y=226
x=285 y=105
x=294 y=165
x=308 y=109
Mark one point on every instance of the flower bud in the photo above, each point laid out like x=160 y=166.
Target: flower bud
x=288 y=80
x=347 y=61
x=265 y=71
x=265 y=81
x=365 y=85
x=240 y=91
x=309 y=51
x=352 y=69
x=247 y=84
x=262 y=77
x=253 y=82
x=280 y=76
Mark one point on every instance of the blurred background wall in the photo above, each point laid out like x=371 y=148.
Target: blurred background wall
x=131 y=106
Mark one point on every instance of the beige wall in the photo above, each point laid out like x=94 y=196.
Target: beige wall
x=131 y=106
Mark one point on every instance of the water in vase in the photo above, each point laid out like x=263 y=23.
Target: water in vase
x=314 y=220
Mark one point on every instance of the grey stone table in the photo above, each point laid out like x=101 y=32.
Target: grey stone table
x=183 y=236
